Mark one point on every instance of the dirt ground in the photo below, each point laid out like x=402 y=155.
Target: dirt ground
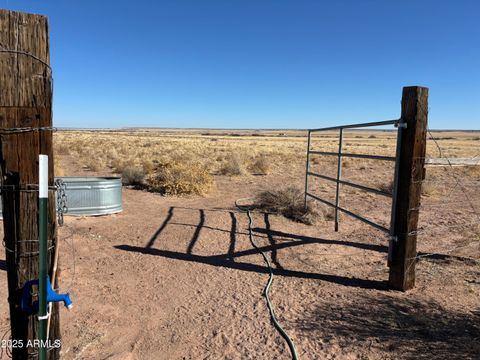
x=177 y=278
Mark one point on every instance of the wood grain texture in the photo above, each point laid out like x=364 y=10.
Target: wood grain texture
x=411 y=170
x=25 y=102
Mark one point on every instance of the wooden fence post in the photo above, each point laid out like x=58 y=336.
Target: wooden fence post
x=25 y=132
x=410 y=175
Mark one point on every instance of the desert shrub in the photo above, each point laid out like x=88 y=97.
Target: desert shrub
x=289 y=202
x=328 y=213
x=232 y=166
x=260 y=165
x=387 y=187
x=133 y=175
x=147 y=166
x=58 y=169
x=372 y=136
x=428 y=188
x=316 y=160
x=62 y=149
x=180 y=178
x=93 y=163
x=119 y=164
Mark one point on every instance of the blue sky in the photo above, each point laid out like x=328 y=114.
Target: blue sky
x=259 y=63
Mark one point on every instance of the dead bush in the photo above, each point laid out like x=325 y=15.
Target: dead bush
x=387 y=187
x=260 y=165
x=232 y=166
x=61 y=149
x=58 y=169
x=428 y=188
x=147 y=166
x=119 y=164
x=93 y=163
x=180 y=179
x=289 y=202
x=133 y=175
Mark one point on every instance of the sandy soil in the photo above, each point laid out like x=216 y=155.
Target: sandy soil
x=176 y=278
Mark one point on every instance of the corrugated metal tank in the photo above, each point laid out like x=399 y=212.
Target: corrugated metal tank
x=89 y=195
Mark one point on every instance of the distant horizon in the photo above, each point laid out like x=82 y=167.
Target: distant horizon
x=240 y=129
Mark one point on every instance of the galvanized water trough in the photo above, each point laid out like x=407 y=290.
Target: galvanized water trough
x=89 y=195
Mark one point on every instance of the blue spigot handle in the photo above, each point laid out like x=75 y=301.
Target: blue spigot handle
x=26 y=302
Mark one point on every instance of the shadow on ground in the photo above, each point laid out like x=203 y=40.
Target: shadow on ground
x=3 y=265
x=232 y=257
x=411 y=329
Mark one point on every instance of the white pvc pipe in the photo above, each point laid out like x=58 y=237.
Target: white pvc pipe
x=43 y=176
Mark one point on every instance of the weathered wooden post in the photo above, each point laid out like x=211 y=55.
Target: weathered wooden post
x=410 y=175
x=25 y=132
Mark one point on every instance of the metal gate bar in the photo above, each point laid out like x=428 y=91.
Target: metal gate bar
x=348 y=212
x=361 y=156
x=348 y=183
x=338 y=181
x=361 y=125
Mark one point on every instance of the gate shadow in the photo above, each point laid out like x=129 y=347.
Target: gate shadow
x=230 y=258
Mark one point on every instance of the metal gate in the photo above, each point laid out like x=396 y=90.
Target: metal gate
x=338 y=179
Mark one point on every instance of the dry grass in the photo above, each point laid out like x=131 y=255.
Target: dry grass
x=387 y=186
x=58 y=170
x=93 y=163
x=233 y=165
x=260 y=165
x=134 y=176
x=289 y=202
x=180 y=179
x=159 y=152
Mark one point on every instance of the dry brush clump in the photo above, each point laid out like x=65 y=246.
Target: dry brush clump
x=260 y=165
x=233 y=165
x=180 y=179
x=290 y=202
x=387 y=186
x=133 y=176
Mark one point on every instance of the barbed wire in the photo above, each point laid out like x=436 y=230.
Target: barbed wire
x=22 y=130
x=456 y=186
x=25 y=53
x=27 y=254
x=71 y=244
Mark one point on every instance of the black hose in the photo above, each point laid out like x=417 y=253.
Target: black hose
x=266 y=290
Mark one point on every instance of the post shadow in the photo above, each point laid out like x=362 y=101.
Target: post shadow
x=196 y=234
x=271 y=240
x=3 y=265
x=161 y=228
x=233 y=236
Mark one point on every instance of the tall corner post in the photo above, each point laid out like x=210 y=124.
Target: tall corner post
x=410 y=170
x=26 y=132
